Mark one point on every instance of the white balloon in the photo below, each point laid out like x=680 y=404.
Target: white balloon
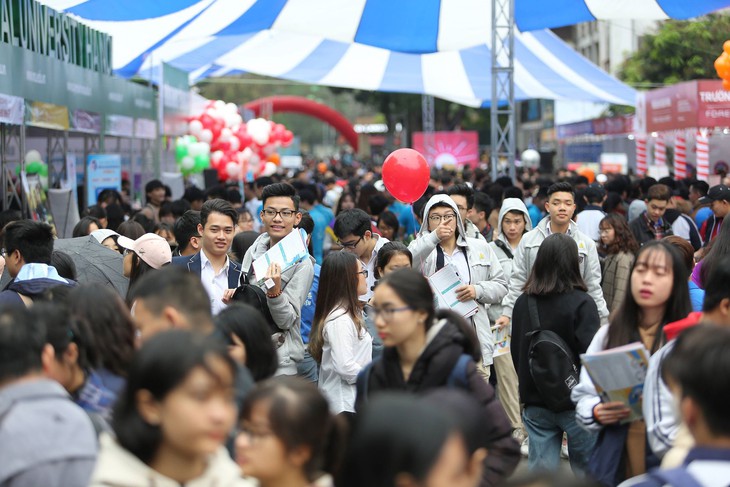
x=233 y=170
x=530 y=157
x=195 y=149
x=206 y=136
x=235 y=143
x=195 y=127
x=33 y=156
x=246 y=153
x=187 y=163
x=254 y=159
x=269 y=169
x=219 y=104
x=231 y=119
x=225 y=135
x=217 y=156
x=231 y=108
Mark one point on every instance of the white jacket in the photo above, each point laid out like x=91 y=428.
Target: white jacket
x=660 y=416
x=485 y=272
x=116 y=467
x=584 y=395
x=590 y=266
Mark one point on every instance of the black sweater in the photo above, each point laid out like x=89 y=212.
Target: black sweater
x=573 y=316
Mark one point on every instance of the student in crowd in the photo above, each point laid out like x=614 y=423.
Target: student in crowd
x=173 y=418
x=98 y=212
x=442 y=242
x=619 y=246
x=107 y=238
x=130 y=229
x=186 y=234
x=287 y=435
x=85 y=226
x=687 y=252
x=245 y=221
x=718 y=248
x=339 y=340
x=164 y=230
x=483 y=206
x=696 y=371
x=28 y=252
x=249 y=339
x=701 y=203
x=720 y=197
x=155 y=195
x=388 y=225
x=64 y=265
x=589 y=219
x=212 y=264
x=657 y=294
x=563 y=307
x=280 y=214
x=422 y=350
x=514 y=221
x=321 y=215
x=682 y=225
x=560 y=207
x=307 y=367
x=668 y=439
x=650 y=225
x=640 y=190
x=463 y=195
x=148 y=253
x=390 y=447
x=354 y=234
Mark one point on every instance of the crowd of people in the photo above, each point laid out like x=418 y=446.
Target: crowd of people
x=353 y=366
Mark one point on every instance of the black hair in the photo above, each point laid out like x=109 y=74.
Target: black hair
x=353 y=222
x=560 y=188
x=179 y=207
x=193 y=193
x=115 y=216
x=307 y=224
x=718 y=247
x=468 y=413
x=387 y=252
x=377 y=204
x=645 y=184
x=463 y=189
x=390 y=219
x=233 y=196
x=701 y=187
x=698 y=363
x=175 y=287
x=109 y=196
x=131 y=229
x=147 y=223
x=548 y=479
x=389 y=439
x=21 y=342
x=343 y=196
x=299 y=416
x=242 y=242
x=513 y=192
x=165 y=209
x=556 y=269
x=82 y=227
x=716 y=288
x=185 y=228
x=139 y=269
x=96 y=211
x=482 y=202
x=307 y=195
x=153 y=185
x=64 y=265
x=111 y=325
x=161 y=365
x=62 y=330
x=218 y=206
x=263 y=181
x=624 y=325
x=276 y=190
x=248 y=324
x=34 y=241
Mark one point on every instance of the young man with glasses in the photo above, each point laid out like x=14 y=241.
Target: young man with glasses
x=280 y=214
x=442 y=242
x=353 y=230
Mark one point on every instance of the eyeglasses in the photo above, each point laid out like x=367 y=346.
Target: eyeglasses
x=447 y=218
x=350 y=245
x=285 y=214
x=364 y=272
x=253 y=436
x=387 y=313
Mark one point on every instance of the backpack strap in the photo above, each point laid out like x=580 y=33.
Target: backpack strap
x=676 y=477
x=505 y=248
x=457 y=377
x=440 y=259
x=532 y=308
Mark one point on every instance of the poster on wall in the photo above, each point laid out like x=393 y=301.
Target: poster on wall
x=449 y=149
x=103 y=171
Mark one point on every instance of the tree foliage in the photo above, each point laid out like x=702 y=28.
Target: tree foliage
x=679 y=51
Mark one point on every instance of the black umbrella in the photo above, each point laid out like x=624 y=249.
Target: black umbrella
x=95 y=264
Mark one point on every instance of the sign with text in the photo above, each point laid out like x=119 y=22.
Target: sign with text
x=449 y=149
x=694 y=104
x=103 y=171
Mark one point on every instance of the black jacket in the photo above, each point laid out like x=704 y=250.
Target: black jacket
x=432 y=370
x=643 y=233
x=192 y=264
x=573 y=316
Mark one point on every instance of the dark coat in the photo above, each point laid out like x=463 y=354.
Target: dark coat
x=432 y=370
x=643 y=233
x=573 y=316
x=192 y=264
x=31 y=288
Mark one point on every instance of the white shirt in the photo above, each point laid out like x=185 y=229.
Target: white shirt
x=370 y=266
x=458 y=261
x=215 y=284
x=344 y=354
x=588 y=222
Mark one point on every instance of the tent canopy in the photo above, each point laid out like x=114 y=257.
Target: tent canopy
x=436 y=47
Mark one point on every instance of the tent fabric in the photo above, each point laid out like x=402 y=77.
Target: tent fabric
x=436 y=47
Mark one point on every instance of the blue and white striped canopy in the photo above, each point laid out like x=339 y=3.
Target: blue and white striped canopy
x=436 y=47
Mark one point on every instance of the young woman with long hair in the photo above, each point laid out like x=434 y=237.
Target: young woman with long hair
x=148 y=252
x=564 y=308
x=717 y=249
x=620 y=246
x=287 y=434
x=657 y=294
x=339 y=340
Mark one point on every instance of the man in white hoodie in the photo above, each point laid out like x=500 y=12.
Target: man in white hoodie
x=441 y=242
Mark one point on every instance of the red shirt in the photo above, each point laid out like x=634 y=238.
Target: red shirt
x=672 y=330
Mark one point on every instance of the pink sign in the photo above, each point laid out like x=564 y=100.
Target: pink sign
x=455 y=149
x=693 y=104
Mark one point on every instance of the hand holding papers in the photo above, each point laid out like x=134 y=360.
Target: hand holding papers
x=502 y=340
x=288 y=252
x=444 y=284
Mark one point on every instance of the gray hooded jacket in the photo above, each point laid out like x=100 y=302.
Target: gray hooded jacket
x=485 y=272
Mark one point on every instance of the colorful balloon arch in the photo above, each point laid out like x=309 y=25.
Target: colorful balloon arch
x=297 y=104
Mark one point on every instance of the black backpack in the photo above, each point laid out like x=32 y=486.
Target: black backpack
x=552 y=364
x=249 y=292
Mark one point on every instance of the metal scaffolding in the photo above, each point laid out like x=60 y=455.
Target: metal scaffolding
x=503 y=86
x=12 y=149
x=429 y=126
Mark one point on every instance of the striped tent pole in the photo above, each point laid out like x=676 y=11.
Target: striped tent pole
x=660 y=151
x=641 y=155
x=703 y=156
x=680 y=156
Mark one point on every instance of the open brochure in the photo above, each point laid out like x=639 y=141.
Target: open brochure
x=288 y=252
x=444 y=284
x=502 y=340
x=618 y=375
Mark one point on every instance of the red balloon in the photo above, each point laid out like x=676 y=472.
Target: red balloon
x=288 y=137
x=406 y=175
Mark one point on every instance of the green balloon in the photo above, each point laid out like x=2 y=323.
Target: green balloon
x=44 y=170
x=202 y=161
x=33 y=168
x=181 y=150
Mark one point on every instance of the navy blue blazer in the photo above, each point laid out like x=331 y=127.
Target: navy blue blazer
x=192 y=264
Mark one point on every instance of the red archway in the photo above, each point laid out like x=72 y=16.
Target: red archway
x=297 y=104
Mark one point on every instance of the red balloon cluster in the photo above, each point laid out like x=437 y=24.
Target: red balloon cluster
x=238 y=149
x=722 y=65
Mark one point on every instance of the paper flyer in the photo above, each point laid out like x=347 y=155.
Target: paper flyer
x=502 y=340
x=444 y=284
x=618 y=375
x=290 y=250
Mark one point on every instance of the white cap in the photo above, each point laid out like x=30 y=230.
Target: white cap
x=151 y=248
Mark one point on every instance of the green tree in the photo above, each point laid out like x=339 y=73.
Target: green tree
x=679 y=51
